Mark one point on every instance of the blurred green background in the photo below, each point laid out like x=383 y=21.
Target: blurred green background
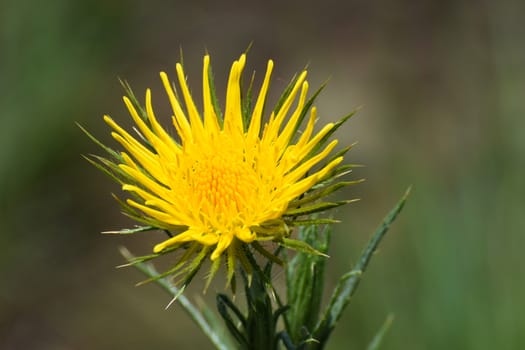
x=442 y=85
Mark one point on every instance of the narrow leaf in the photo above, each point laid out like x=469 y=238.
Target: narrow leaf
x=127 y=88
x=214 y=100
x=305 y=110
x=323 y=192
x=221 y=343
x=285 y=94
x=305 y=280
x=310 y=222
x=222 y=303
x=128 y=231
x=111 y=152
x=271 y=257
x=102 y=168
x=349 y=282
x=318 y=207
x=300 y=246
x=194 y=266
x=326 y=137
x=213 y=271
x=334 y=175
x=378 y=338
x=137 y=216
x=246 y=104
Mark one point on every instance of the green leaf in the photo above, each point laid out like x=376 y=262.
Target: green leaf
x=110 y=151
x=310 y=222
x=271 y=257
x=285 y=94
x=256 y=330
x=193 y=267
x=128 y=231
x=323 y=192
x=215 y=322
x=137 y=216
x=214 y=100
x=213 y=271
x=246 y=102
x=334 y=175
x=315 y=208
x=227 y=302
x=134 y=100
x=349 y=282
x=136 y=260
x=378 y=338
x=305 y=110
x=305 y=281
x=326 y=137
x=341 y=153
x=261 y=322
x=286 y=340
x=223 y=303
x=179 y=268
x=119 y=174
x=105 y=169
x=222 y=342
x=271 y=229
x=242 y=255
x=300 y=246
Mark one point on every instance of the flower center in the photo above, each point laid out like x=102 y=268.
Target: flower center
x=218 y=184
x=223 y=189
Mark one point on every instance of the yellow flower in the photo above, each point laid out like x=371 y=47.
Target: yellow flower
x=224 y=183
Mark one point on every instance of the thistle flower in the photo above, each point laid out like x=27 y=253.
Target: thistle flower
x=225 y=183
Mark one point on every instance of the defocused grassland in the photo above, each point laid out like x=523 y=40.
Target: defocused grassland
x=442 y=84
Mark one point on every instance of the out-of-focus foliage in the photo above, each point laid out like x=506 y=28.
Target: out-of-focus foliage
x=442 y=87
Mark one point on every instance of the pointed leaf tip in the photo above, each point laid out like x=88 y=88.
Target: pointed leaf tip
x=175 y=297
x=350 y=281
x=301 y=247
x=378 y=338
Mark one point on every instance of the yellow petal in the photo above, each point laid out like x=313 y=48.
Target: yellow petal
x=233 y=123
x=179 y=119
x=211 y=124
x=224 y=242
x=255 y=123
x=195 y=120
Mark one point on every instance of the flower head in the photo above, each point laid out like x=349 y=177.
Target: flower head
x=225 y=182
